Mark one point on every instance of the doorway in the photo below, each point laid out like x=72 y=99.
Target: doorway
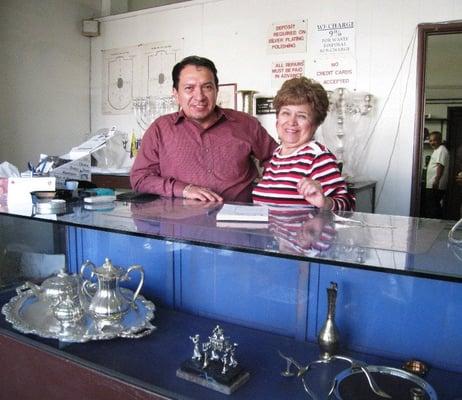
x=454 y=192
x=438 y=108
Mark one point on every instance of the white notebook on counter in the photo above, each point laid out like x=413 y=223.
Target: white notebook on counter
x=234 y=212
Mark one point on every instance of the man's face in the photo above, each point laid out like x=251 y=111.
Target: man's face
x=434 y=141
x=197 y=93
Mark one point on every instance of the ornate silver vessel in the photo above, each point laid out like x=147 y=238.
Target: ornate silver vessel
x=108 y=302
x=329 y=337
x=55 y=287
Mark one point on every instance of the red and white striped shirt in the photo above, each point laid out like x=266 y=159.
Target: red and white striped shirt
x=312 y=160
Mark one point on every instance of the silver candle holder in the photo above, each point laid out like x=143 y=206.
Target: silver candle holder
x=247 y=100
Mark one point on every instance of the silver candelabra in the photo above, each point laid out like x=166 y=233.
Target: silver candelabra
x=147 y=109
x=345 y=104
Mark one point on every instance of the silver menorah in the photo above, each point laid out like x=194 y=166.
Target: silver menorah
x=147 y=109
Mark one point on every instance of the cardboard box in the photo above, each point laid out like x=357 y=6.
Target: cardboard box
x=79 y=169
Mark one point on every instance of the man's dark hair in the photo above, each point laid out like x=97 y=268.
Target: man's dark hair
x=193 y=60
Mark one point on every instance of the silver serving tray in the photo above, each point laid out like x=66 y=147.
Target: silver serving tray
x=29 y=315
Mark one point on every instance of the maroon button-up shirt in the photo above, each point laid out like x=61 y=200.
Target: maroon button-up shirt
x=176 y=151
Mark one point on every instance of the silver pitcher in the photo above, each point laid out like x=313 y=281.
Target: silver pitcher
x=109 y=301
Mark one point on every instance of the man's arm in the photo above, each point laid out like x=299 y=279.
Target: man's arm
x=264 y=145
x=146 y=175
x=439 y=174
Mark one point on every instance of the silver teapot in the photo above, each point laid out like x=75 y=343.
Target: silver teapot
x=108 y=301
x=54 y=288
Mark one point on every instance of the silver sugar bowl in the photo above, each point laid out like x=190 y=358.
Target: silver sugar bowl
x=68 y=310
x=108 y=301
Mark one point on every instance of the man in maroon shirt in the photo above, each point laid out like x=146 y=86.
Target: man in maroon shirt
x=202 y=152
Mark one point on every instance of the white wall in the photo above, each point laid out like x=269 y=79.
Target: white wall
x=44 y=62
x=233 y=32
x=44 y=65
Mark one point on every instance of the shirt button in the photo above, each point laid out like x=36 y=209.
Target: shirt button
x=209 y=171
x=206 y=150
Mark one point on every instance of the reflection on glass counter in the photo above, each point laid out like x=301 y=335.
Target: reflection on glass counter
x=384 y=242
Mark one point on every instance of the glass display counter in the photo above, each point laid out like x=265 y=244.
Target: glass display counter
x=399 y=290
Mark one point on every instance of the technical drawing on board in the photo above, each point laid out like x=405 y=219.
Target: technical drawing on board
x=158 y=61
x=118 y=80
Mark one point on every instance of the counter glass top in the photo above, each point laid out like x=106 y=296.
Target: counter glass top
x=398 y=244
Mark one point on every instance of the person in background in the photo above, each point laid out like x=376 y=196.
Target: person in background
x=202 y=152
x=302 y=171
x=437 y=177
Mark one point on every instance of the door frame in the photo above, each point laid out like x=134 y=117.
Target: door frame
x=423 y=31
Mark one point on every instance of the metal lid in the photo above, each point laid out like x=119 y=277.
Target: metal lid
x=108 y=270
x=60 y=280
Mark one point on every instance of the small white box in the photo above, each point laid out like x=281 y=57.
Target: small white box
x=19 y=188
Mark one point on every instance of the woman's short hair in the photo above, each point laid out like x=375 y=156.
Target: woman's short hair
x=298 y=91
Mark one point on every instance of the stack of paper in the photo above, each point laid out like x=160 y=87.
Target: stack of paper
x=234 y=212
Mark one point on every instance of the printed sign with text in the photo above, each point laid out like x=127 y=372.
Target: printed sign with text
x=283 y=70
x=287 y=37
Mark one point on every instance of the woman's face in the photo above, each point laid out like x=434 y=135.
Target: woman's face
x=295 y=125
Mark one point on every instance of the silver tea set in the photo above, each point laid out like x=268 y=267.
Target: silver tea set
x=76 y=308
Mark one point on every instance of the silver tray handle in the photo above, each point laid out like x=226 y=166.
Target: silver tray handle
x=139 y=334
x=86 y=282
x=140 y=284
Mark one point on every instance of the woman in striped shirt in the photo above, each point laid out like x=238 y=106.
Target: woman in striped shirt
x=302 y=171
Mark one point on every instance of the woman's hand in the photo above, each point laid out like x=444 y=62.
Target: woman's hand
x=200 y=193
x=311 y=190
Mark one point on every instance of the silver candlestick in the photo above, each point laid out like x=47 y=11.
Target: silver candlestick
x=247 y=100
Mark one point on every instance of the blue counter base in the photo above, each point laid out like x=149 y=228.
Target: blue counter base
x=151 y=362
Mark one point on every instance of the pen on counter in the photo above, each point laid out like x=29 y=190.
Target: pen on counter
x=31 y=167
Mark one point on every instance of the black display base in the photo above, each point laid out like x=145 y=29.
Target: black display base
x=211 y=377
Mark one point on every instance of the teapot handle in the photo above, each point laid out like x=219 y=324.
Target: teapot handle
x=87 y=282
x=140 y=269
x=29 y=286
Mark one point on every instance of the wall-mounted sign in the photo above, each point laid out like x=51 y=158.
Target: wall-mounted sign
x=337 y=38
x=264 y=105
x=283 y=70
x=335 y=72
x=287 y=37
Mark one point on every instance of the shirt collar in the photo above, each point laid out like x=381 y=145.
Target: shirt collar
x=221 y=113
